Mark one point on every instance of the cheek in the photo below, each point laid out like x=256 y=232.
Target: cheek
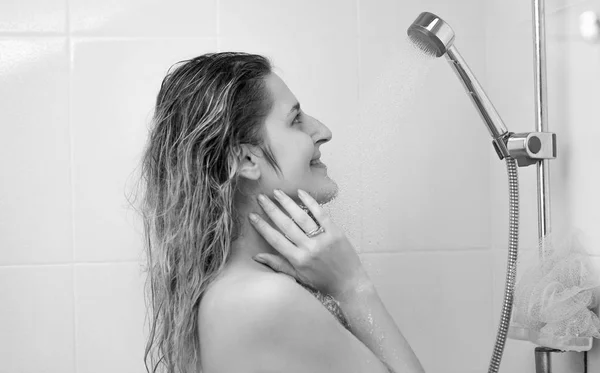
x=308 y=151
x=300 y=149
x=294 y=150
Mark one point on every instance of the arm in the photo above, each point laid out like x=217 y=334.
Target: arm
x=372 y=324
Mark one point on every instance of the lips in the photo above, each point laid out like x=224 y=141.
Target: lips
x=317 y=163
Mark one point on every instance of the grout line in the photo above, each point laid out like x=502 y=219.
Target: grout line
x=59 y=264
x=141 y=38
x=39 y=34
x=35 y=35
x=494 y=304
x=358 y=31
x=359 y=119
x=71 y=174
x=480 y=249
x=218 y=25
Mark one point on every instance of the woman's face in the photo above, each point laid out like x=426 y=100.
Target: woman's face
x=294 y=138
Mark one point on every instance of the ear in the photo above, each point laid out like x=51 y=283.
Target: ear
x=249 y=162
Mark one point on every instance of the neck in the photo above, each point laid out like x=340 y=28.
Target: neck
x=250 y=242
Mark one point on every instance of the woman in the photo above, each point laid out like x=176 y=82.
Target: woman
x=226 y=130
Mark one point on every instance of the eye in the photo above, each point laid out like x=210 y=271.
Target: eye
x=297 y=118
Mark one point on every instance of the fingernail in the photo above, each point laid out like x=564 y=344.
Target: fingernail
x=278 y=193
x=258 y=258
x=253 y=217
x=262 y=198
x=302 y=193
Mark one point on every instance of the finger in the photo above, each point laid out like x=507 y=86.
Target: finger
x=276 y=240
x=283 y=222
x=276 y=263
x=300 y=217
x=314 y=207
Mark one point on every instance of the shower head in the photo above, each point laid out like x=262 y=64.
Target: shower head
x=431 y=35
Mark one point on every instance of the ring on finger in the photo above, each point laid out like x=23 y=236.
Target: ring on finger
x=315 y=232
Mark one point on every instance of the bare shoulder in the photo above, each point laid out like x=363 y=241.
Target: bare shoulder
x=231 y=308
x=244 y=298
x=269 y=323
x=232 y=295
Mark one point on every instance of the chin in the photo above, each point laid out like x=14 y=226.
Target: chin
x=324 y=191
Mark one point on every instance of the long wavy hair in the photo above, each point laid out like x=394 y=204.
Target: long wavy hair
x=206 y=107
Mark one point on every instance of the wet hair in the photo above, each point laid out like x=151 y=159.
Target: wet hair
x=206 y=107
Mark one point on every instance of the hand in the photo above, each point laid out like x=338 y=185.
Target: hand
x=328 y=262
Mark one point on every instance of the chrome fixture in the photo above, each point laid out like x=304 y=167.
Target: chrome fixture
x=541 y=119
x=435 y=37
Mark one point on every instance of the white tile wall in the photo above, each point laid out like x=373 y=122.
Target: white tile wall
x=424 y=196
x=31 y=16
x=109 y=305
x=35 y=192
x=432 y=169
x=265 y=18
x=36 y=319
x=582 y=89
x=131 y=18
x=563 y=17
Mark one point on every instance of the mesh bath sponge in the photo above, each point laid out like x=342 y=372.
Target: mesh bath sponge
x=555 y=298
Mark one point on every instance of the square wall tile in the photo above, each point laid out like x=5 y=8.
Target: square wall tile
x=109 y=301
x=323 y=77
x=158 y=18
x=392 y=17
x=425 y=150
x=115 y=84
x=35 y=194
x=441 y=304
x=33 y=16
x=263 y=18
x=36 y=319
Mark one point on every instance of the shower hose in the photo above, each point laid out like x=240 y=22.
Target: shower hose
x=511 y=272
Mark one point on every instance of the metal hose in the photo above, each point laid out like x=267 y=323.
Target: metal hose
x=511 y=272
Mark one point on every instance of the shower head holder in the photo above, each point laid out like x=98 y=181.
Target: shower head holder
x=434 y=37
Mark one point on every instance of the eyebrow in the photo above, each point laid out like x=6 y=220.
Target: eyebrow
x=295 y=107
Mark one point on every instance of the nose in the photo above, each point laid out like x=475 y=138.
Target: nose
x=322 y=133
